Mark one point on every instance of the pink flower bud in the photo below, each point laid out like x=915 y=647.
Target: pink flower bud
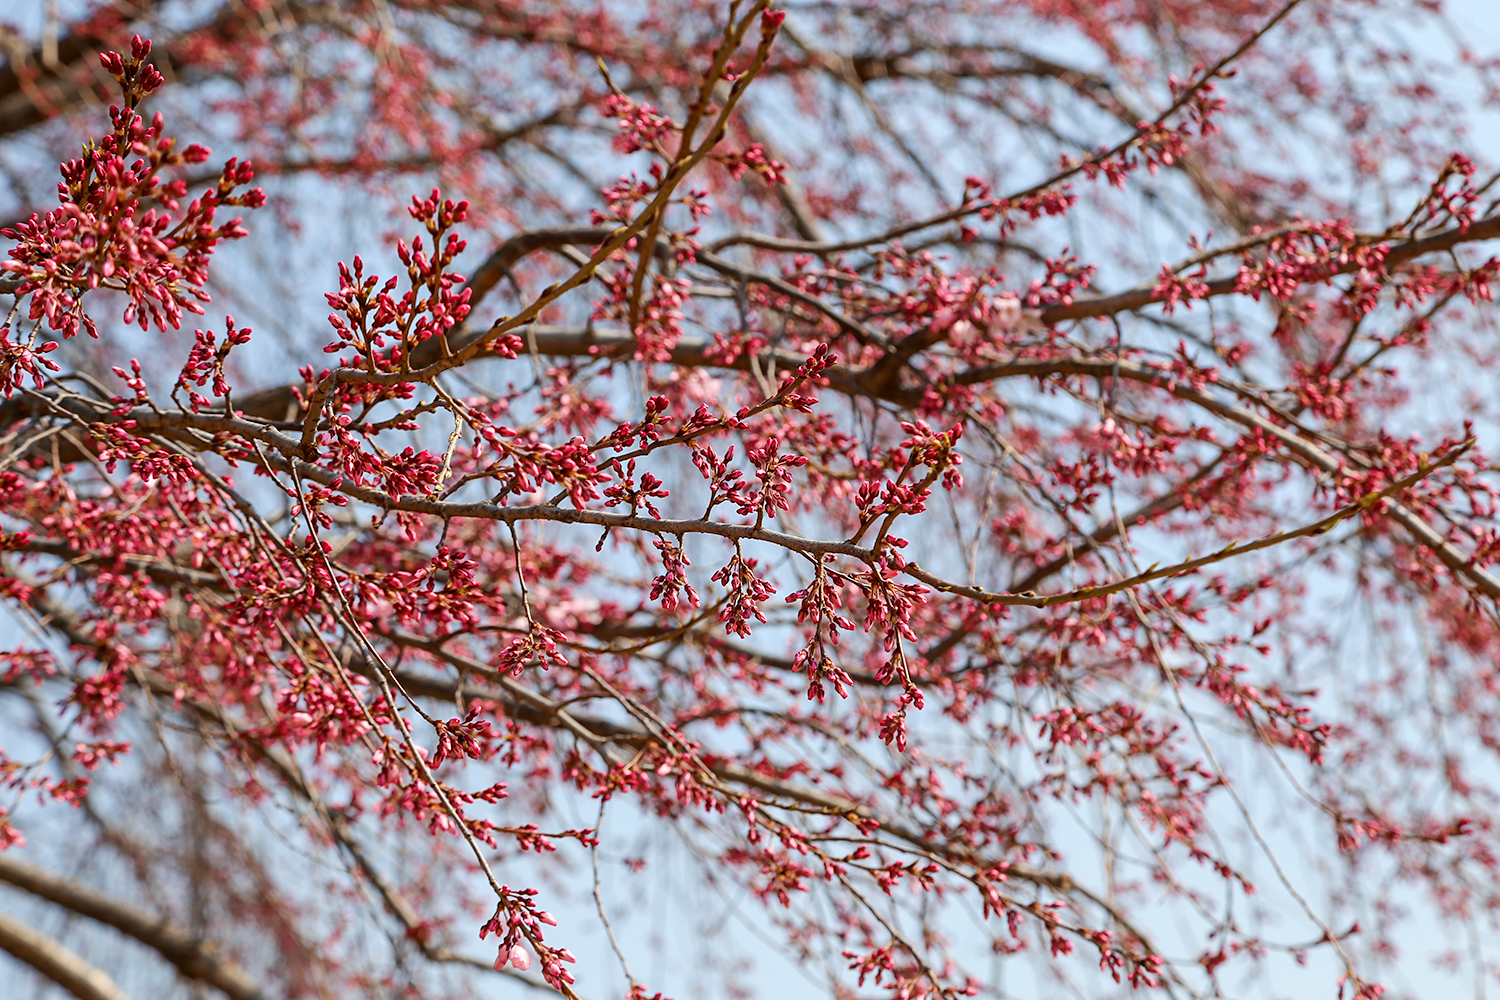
x=519 y=958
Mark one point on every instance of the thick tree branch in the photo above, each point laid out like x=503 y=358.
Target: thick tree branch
x=52 y=959
x=1399 y=253
x=194 y=959
x=280 y=404
x=76 y=75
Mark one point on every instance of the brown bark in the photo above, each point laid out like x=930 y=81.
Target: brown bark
x=64 y=967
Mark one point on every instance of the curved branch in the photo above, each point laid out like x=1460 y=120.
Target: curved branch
x=193 y=958
x=63 y=966
x=1304 y=451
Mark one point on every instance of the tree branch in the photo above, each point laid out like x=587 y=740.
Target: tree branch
x=1142 y=296
x=50 y=958
x=194 y=959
